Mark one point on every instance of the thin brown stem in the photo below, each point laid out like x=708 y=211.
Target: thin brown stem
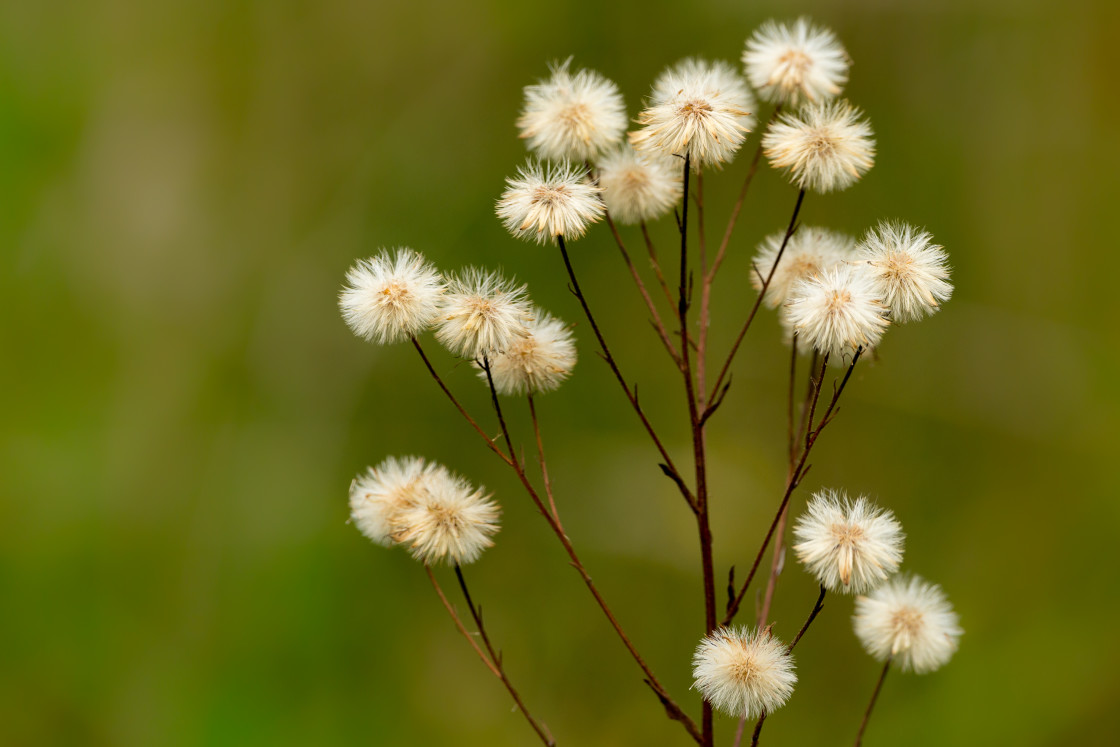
x=485 y=364
x=795 y=479
x=544 y=463
x=758 y=729
x=731 y=222
x=761 y=295
x=655 y=263
x=494 y=660
x=462 y=628
x=672 y=710
x=697 y=428
x=486 y=437
x=655 y=317
x=871 y=705
x=669 y=467
x=809 y=621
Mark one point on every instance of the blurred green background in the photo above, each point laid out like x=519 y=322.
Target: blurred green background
x=184 y=184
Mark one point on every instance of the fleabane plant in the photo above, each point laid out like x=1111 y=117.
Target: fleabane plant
x=834 y=295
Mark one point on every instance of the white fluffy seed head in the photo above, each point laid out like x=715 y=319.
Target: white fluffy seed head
x=703 y=109
x=836 y=312
x=450 y=521
x=538 y=362
x=909 y=270
x=380 y=495
x=794 y=64
x=850 y=546
x=482 y=314
x=572 y=116
x=543 y=203
x=809 y=252
x=743 y=672
x=639 y=186
x=910 y=621
x=391 y=297
x=824 y=146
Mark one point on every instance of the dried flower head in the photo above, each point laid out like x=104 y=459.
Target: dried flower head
x=743 y=672
x=825 y=146
x=572 y=117
x=541 y=204
x=850 y=546
x=638 y=186
x=538 y=362
x=703 y=109
x=790 y=65
x=391 y=297
x=482 y=314
x=809 y=252
x=910 y=621
x=450 y=521
x=837 y=311
x=378 y=497
x=910 y=271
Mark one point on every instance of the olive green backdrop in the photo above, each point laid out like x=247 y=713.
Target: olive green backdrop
x=184 y=184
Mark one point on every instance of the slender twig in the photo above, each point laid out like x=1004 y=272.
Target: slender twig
x=654 y=315
x=702 y=522
x=494 y=660
x=672 y=710
x=655 y=263
x=738 y=205
x=812 y=616
x=485 y=364
x=544 y=463
x=761 y=295
x=631 y=395
x=871 y=705
x=758 y=729
x=795 y=480
x=486 y=437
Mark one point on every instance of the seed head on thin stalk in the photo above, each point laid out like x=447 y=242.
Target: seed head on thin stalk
x=380 y=495
x=536 y=363
x=836 y=312
x=743 y=672
x=794 y=64
x=543 y=203
x=572 y=116
x=391 y=296
x=809 y=252
x=910 y=272
x=639 y=186
x=825 y=146
x=451 y=521
x=850 y=546
x=910 y=621
x=482 y=314
x=699 y=108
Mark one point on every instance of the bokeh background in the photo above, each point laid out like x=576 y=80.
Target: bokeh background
x=183 y=185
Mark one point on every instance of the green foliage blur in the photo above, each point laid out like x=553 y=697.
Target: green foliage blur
x=183 y=185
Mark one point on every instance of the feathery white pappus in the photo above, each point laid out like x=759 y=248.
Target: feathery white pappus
x=809 y=252
x=378 y=496
x=572 y=116
x=703 y=109
x=825 y=146
x=482 y=314
x=391 y=297
x=450 y=521
x=541 y=204
x=850 y=546
x=909 y=270
x=743 y=672
x=910 y=621
x=836 y=312
x=538 y=362
x=639 y=186
x=790 y=65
